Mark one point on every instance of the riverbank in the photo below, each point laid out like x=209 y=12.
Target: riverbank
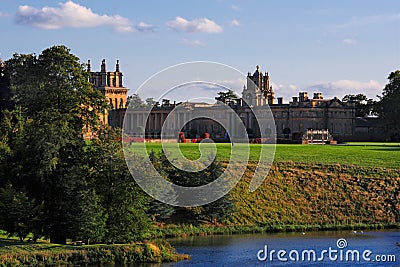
x=13 y=253
x=184 y=230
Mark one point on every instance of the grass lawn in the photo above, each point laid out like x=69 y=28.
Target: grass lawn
x=386 y=155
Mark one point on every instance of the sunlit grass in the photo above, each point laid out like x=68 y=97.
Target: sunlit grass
x=385 y=155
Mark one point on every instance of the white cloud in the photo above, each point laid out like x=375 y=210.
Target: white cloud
x=69 y=14
x=349 y=41
x=287 y=91
x=343 y=87
x=235 y=23
x=144 y=27
x=193 y=42
x=197 y=25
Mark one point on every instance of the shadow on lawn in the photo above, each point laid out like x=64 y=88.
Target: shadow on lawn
x=386 y=149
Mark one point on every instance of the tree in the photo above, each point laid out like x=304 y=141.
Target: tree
x=158 y=210
x=124 y=203
x=228 y=97
x=214 y=212
x=388 y=107
x=134 y=101
x=150 y=102
x=83 y=188
x=221 y=209
x=363 y=105
x=18 y=213
x=54 y=101
x=5 y=91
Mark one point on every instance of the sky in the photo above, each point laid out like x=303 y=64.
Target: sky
x=334 y=47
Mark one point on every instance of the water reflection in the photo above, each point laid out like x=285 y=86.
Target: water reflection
x=241 y=250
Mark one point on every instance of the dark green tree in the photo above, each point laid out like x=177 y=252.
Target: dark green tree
x=53 y=103
x=18 y=213
x=123 y=201
x=5 y=91
x=134 y=101
x=150 y=102
x=90 y=224
x=215 y=212
x=221 y=209
x=363 y=104
x=388 y=107
x=228 y=97
x=158 y=210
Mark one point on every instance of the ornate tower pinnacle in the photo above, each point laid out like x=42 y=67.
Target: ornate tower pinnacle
x=117 y=66
x=103 y=65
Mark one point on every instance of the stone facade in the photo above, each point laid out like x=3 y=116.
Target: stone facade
x=111 y=85
x=292 y=119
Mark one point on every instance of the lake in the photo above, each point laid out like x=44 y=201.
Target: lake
x=372 y=248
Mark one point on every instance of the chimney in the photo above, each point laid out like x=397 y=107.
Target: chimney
x=295 y=99
x=89 y=67
x=117 y=66
x=103 y=65
x=303 y=96
x=280 y=100
x=318 y=96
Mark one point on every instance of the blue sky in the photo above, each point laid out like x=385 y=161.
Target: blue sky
x=336 y=47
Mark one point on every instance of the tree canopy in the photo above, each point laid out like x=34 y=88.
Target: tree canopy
x=388 y=107
x=54 y=183
x=363 y=104
x=228 y=97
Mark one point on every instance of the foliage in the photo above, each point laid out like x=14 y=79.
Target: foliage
x=61 y=185
x=228 y=97
x=388 y=106
x=150 y=102
x=134 y=101
x=214 y=212
x=18 y=213
x=124 y=203
x=158 y=210
x=5 y=91
x=363 y=105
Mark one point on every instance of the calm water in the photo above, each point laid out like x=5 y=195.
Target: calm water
x=241 y=250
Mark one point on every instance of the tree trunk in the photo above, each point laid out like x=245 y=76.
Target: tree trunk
x=58 y=238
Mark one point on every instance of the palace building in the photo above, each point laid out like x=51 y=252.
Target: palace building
x=292 y=120
x=110 y=84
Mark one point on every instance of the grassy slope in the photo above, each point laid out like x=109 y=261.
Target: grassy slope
x=309 y=194
x=318 y=185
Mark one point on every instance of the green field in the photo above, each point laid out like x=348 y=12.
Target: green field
x=385 y=155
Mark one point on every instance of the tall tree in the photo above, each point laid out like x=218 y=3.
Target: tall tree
x=54 y=102
x=18 y=213
x=5 y=91
x=214 y=212
x=363 y=104
x=124 y=203
x=388 y=107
